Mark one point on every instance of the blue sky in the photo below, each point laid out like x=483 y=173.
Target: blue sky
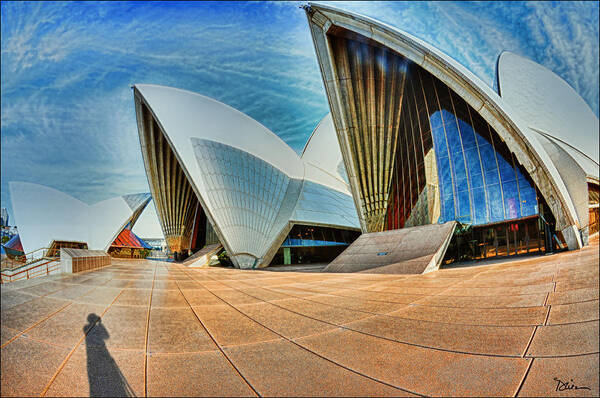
x=68 y=119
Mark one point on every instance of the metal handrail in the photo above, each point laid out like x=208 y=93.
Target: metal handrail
x=49 y=252
x=30 y=257
x=50 y=265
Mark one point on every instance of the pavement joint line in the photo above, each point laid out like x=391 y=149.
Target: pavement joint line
x=428 y=297
x=344 y=326
x=165 y=354
x=446 y=288
x=220 y=348
x=50 y=315
x=43 y=295
x=314 y=353
x=70 y=354
x=418 y=294
x=230 y=346
x=583 y=354
x=576 y=302
x=44 y=341
x=387 y=314
x=547 y=314
x=524 y=377
x=138 y=350
x=146 y=337
x=529 y=342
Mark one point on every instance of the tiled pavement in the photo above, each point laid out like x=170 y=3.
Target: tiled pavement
x=506 y=329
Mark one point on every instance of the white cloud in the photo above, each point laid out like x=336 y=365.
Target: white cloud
x=568 y=45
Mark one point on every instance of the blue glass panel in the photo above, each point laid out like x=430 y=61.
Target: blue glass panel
x=460 y=172
x=495 y=203
x=448 y=207
x=439 y=140
x=464 y=208
x=467 y=135
x=294 y=242
x=507 y=173
x=464 y=219
x=520 y=175
x=435 y=120
x=529 y=203
x=476 y=180
x=479 y=208
x=525 y=185
x=452 y=134
x=448 y=117
x=480 y=137
x=472 y=158
x=526 y=190
x=461 y=183
x=444 y=171
x=511 y=199
x=529 y=210
x=488 y=159
x=491 y=177
x=528 y=198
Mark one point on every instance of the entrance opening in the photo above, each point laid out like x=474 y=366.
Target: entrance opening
x=309 y=244
x=523 y=236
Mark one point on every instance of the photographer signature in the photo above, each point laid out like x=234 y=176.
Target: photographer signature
x=565 y=385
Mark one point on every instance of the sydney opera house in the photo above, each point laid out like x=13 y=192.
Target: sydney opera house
x=418 y=164
x=51 y=219
x=424 y=141
x=413 y=140
x=218 y=176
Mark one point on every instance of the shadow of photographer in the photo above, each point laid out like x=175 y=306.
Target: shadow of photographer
x=104 y=376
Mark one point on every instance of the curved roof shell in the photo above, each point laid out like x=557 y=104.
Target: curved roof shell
x=252 y=186
x=185 y=114
x=548 y=104
x=508 y=124
x=44 y=214
x=320 y=151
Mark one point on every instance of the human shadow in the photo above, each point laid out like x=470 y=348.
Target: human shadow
x=104 y=376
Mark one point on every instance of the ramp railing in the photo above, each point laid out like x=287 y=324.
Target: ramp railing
x=11 y=263
x=29 y=270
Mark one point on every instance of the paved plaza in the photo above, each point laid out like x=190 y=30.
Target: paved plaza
x=519 y=327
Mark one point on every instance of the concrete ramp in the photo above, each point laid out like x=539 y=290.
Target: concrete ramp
x=413 y=250
x=202 y=257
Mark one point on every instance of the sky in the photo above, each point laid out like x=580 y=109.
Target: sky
x=67 y=113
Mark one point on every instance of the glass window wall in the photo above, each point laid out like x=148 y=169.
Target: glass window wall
x=421 y=153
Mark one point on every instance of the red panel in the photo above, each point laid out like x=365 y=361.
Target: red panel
x=127 y=239
x=14 y=243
